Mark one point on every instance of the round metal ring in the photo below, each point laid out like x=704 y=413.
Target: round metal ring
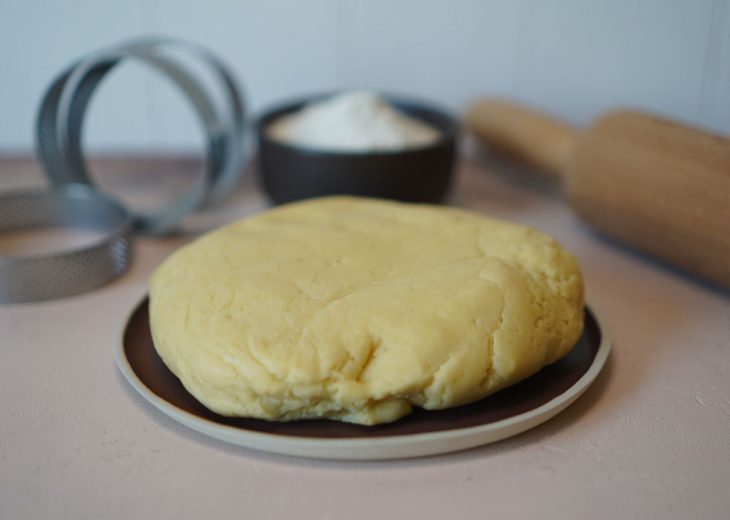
x=64 y=105
x=31 y=278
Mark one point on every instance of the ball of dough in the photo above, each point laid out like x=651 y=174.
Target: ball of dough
x=357 y=309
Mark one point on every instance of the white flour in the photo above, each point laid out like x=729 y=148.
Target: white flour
x=356 y=122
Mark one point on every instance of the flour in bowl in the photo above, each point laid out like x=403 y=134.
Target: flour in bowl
x=352 y=122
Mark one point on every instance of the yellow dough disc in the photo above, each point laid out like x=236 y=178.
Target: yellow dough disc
x=357 y=309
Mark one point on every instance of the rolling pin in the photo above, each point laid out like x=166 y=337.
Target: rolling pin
x=657 y=185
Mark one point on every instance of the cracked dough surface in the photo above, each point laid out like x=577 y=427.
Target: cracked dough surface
x=356 y=309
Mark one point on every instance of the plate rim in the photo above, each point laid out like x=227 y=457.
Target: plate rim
x=375 y=448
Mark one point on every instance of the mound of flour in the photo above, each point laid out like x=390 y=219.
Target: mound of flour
x=354 y=122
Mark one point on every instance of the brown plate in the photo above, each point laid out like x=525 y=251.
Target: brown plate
x=505 y=413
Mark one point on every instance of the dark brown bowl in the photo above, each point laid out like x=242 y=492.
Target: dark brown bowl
x=423 y=174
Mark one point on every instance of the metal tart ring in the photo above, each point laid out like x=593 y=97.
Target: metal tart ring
x=65 y=273
x=59 y=124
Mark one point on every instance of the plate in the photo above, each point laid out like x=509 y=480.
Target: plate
x=501 y=415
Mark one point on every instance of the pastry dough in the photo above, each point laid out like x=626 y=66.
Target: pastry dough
x=358 y=309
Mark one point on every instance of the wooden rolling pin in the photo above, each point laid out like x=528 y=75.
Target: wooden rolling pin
x=656 y=185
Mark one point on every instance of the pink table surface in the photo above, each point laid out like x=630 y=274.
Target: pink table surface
x=650 y=439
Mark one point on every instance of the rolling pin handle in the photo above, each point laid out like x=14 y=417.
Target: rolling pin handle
x=523 y=134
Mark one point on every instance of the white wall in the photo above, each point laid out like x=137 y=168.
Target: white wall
x=573 y=57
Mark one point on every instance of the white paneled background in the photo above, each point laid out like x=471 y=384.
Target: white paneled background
x=575 y=58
